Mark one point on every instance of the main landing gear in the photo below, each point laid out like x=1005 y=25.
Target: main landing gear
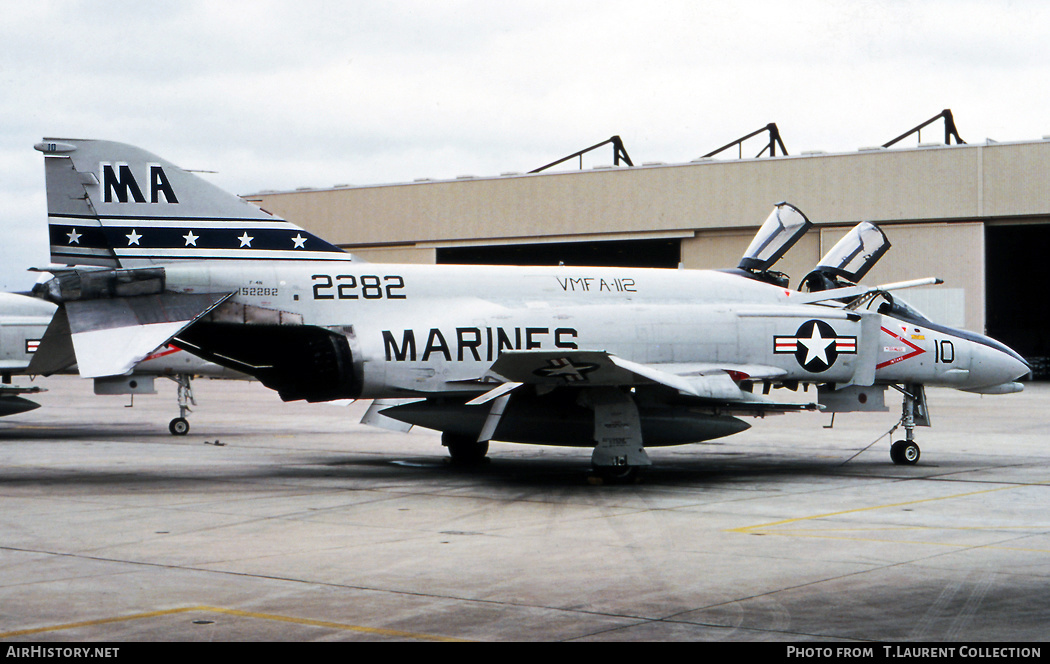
x=180 y=426
x=619 y=455
x=465 y=450
x=914 y=413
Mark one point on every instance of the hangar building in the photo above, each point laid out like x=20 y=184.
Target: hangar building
x=976 y=215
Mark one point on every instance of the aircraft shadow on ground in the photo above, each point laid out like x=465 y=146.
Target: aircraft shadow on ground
x=705 y=467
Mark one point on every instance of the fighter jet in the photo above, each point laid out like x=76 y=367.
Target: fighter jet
x=614 y=359
x=23 y=322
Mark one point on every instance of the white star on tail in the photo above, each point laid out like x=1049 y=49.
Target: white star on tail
x=246 y=240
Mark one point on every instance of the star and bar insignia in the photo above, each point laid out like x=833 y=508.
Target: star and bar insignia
x=566 y=369
x=815 y=345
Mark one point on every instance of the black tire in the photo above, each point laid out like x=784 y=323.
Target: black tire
x=904 y=453
x=465 y=450
x=179 y=426
x=616 y=474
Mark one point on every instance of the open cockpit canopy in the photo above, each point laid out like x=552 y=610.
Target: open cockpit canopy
x=849 y=260
x=784 y=226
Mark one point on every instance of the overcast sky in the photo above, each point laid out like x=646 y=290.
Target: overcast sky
x=279 y=95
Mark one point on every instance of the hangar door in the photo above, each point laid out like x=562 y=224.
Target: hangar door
x=1017 y=305
x=612 y=253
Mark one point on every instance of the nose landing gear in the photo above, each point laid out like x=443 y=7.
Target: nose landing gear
x=914 y=413
x=904 y=453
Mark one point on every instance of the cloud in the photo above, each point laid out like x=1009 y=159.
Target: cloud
x=278 y=95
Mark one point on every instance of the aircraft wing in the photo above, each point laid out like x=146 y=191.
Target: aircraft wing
x=709 y=383
x=707 y=386
x=108 y=337
x=576 y=367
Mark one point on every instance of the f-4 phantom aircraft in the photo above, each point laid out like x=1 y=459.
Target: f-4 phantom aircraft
x=615 y=359
x=22 y=323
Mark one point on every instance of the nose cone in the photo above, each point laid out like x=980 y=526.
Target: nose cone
x=993 y=363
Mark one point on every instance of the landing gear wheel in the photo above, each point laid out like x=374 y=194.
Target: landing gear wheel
x=179 y=426
x=615 y=474
x=904 y=453
x=465 y=450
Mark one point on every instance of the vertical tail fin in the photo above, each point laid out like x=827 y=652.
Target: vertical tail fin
x=116 y=205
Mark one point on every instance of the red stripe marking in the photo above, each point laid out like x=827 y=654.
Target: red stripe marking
x=916 y=351
x=167 y=350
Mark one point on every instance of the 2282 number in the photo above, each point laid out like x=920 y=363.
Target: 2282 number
x=354 y=287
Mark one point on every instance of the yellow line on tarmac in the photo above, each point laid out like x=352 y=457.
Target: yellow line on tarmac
x=233 y=612
x=40 y=427
x=772 y=524
x=887 y=540
x=89 y=623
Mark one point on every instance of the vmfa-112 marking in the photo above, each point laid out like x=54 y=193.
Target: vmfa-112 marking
x=610 y=358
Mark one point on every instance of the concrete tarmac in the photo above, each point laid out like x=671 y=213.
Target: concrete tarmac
x=293 y=522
